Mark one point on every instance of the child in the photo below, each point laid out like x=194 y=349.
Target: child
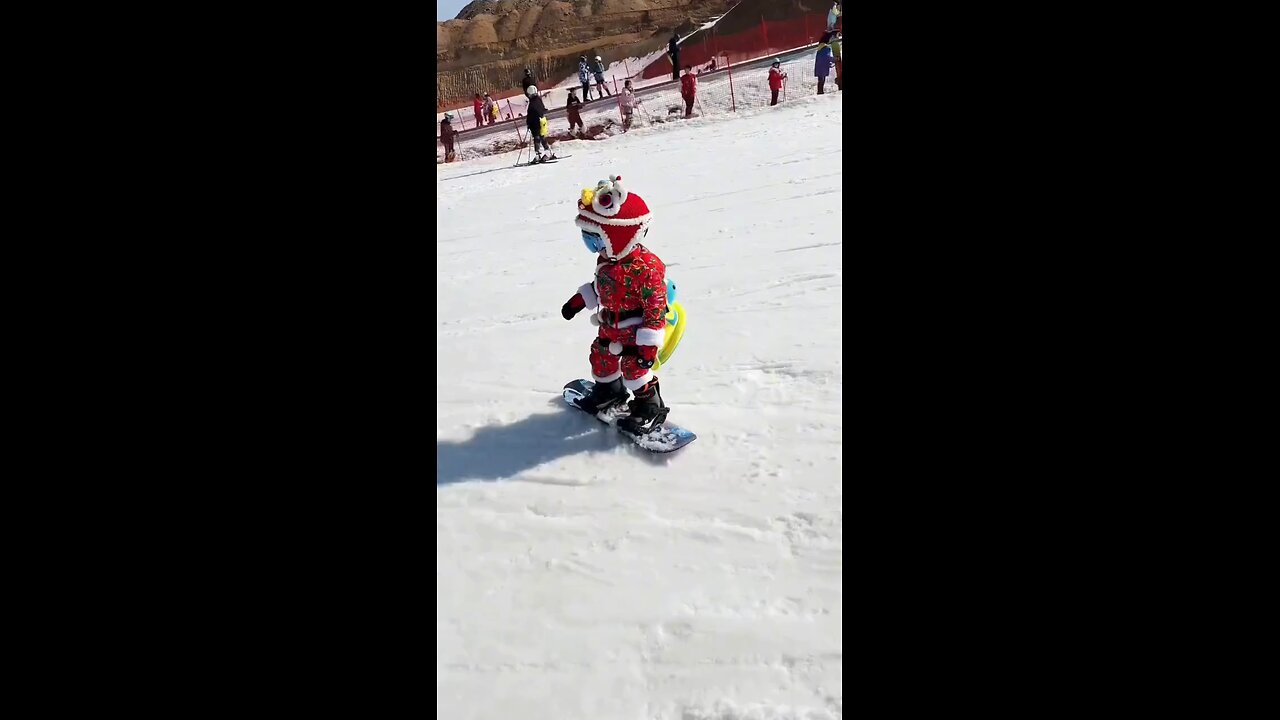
x=688 y=90
x=775 y=79
x=628 y=104
x=630 y=290
x=446 y=137
x=478 y=106
x=490 y=109
x=572 y=108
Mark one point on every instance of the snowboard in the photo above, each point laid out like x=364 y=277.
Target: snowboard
x=666 y=438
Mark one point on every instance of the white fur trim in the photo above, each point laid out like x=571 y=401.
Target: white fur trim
x=615 y=348
x=608 y=220
x=639 y=382
x=588 y=293
x=649 y=336
x=595 y=319
x=629 y=322
x=600 y=226
x=606 y=378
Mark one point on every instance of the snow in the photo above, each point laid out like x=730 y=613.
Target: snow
x=577 y=575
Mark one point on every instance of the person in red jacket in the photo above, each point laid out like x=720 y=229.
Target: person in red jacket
x=478 y=104
x=775 y=80
x=688 y=89
x=630 y=290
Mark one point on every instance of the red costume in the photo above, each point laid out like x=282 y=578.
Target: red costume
x=630 y=296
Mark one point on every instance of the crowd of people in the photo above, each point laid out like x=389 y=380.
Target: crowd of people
x=487 y=111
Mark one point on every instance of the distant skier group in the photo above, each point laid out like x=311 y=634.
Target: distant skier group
x=487 y=111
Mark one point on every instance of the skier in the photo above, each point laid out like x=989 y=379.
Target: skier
x=527 y=80
x=630 y=290
x=478 y=106
x=536 y=121
x=584 y=77
x=598 y=71
x=832 y=15
x=776 y=76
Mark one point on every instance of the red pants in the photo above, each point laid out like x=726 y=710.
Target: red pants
x=606 y=366
x=479 y=118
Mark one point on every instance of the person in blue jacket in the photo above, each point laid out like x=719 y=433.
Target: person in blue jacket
x=822 y=62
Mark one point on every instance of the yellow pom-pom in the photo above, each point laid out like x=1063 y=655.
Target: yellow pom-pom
x=587 y=196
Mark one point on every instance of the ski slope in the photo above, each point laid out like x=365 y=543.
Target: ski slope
x=579 y=577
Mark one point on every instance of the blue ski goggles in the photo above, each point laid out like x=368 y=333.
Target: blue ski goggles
x=594 y=242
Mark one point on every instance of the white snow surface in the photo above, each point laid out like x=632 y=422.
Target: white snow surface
x=578 y=576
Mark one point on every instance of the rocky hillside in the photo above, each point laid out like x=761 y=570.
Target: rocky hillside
x=491 y=42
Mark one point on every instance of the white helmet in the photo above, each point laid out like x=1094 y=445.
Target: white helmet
x=597 y=57
x=531 y=90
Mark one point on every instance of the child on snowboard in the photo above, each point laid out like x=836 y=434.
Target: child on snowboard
x=630 y=290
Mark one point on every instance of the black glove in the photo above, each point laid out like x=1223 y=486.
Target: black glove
x=573 y=306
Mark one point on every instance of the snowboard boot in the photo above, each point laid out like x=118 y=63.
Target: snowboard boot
x=647 y=410
x=603 y=396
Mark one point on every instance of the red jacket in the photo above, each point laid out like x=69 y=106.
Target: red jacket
x=479 y=104
x=688 y=85
x=637 y=282
x=775 y=78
